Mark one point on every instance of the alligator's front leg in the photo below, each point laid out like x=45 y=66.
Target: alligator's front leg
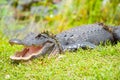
x=83 y=45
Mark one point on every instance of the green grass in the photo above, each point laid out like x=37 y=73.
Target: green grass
x=102 y=63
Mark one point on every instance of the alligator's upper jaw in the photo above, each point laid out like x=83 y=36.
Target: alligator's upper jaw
x=27 y=53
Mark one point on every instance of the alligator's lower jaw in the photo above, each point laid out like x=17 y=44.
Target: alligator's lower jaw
x=21 y=58
x=27 y=53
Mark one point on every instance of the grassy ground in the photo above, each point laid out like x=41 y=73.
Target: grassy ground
x=102 y=63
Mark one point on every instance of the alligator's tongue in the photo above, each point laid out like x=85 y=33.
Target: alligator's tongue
x=32 y=50
x=26 y=53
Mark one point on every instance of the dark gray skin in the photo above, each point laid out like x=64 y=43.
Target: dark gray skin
x=116 y=33
x=86 y=36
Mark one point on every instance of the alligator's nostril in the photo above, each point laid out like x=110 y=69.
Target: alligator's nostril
x=15 y=41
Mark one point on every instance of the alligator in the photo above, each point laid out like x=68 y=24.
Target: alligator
x=85 y=37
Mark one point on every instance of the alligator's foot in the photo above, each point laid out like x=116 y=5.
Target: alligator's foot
x=83 y=45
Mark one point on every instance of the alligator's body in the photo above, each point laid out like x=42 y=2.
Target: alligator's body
x=86 y=36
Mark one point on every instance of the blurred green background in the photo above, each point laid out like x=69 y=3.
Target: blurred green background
x=18 y=17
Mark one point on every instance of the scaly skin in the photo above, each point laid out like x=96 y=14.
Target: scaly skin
x=86 y=36
x=116 y=33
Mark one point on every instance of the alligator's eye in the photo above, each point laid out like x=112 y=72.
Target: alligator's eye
x=44 y=36
x=71 y=36
x=38 y=36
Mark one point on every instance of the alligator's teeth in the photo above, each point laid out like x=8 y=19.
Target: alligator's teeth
x=15 y=58
x=20 y=58
x=25 y=58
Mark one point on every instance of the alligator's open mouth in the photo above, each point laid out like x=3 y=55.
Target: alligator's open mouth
x=27 y=53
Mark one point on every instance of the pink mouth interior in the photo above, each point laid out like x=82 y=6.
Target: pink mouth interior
x=27 y=51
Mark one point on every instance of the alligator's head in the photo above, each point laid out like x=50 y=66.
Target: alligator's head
x=35 y=45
